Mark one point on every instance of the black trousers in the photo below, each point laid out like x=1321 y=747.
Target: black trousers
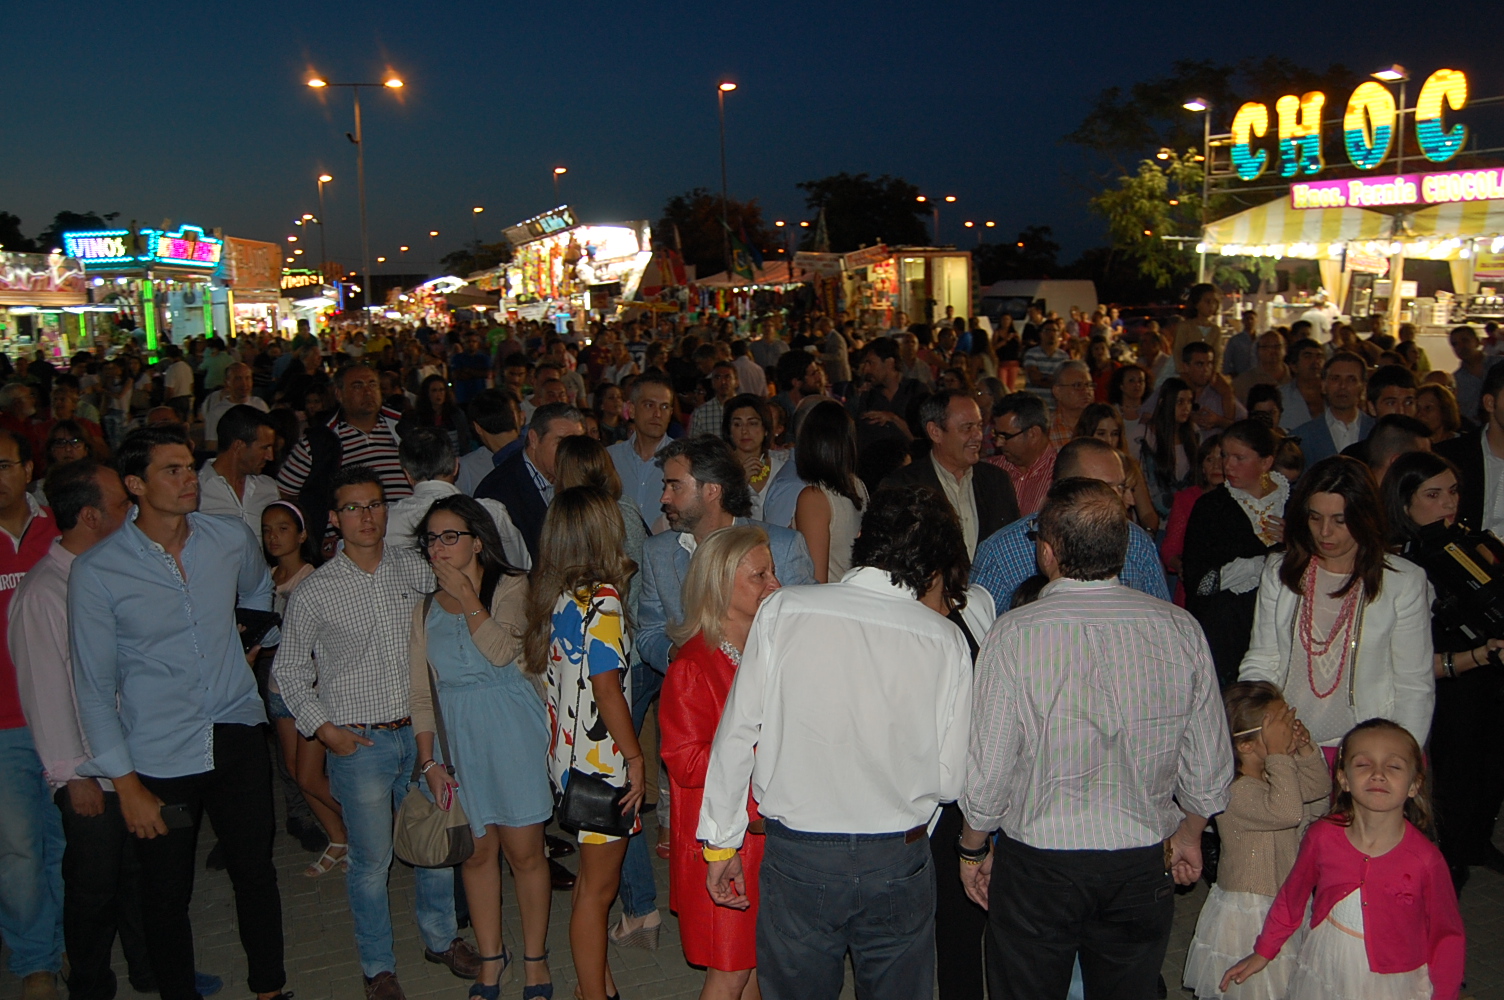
x=101 y=896
x=1114 y=908
x=960 y=924
x=1468 y=773
x=237 y=795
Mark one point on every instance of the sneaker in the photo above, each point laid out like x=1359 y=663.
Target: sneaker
x=461 y=959
x=384 y=986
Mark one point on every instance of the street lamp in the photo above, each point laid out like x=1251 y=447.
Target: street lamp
x=475 y=223
x=935 y=211
x=391 y=83
x=558 y=172
x=722 y=89
x=1203 y=107
x=323 y=248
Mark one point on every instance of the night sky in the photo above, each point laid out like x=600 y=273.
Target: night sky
x=175 y=111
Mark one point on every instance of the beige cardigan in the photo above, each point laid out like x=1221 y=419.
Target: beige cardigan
x=499 y=639
x=1265 y=821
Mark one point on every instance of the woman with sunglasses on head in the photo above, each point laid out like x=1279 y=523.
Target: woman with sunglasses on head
x=465 y=642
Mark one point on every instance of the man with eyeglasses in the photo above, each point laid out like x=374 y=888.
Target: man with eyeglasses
x=1073 y=392
x=1019 y=423
x=1007 y=559
x=169 y=708
x=652 y=399
x=346 y=629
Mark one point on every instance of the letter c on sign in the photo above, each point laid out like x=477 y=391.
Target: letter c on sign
x=1440 y=144
x=1368 y=125
x=1252 y=120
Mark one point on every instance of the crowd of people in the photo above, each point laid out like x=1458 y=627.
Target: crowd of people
x=942 y=648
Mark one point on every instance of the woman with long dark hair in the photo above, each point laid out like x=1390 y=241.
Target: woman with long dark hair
x=1343 y=627
x=610 y=404
x=747 y=425
x=828 y=512
x=577 y=639
x=1420 y=496
x=1126 y=391
x=1169 y=444
x=436 y=408
x=1101 y=421
x=464 y=646
x=1231 y=530
x=1172 y=546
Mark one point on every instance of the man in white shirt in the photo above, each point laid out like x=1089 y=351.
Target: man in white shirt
x=231 y=483
x=427 y=456
x=855 y=698
x=748 y=372
x=177 y=381
x=1099 y=747
x=236 y=392
x=1343 y=424
x=1321 y=316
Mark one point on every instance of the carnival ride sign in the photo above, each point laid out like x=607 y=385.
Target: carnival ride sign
x=1368 y=127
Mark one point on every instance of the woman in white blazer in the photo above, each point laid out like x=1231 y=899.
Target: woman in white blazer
x=1342 y=627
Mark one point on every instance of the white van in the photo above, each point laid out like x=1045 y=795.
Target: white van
x=1015 y=297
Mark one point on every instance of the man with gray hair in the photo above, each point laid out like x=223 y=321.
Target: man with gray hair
x=239 y=381
x=524 y=483
x=635 y=458
x=1099 y=748
x=428 y=459
x=1073 y=391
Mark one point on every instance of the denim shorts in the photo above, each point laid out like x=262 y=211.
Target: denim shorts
x=276 y=707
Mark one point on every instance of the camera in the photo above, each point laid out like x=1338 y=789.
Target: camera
x=1466 y=568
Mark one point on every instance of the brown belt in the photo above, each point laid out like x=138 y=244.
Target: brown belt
x=919 y=832
x=401 y=723
x=757 y=826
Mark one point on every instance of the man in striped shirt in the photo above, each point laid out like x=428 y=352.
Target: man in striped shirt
x=1099 y=748
x=361 y=433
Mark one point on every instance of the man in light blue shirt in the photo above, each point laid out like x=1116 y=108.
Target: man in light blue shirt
x=169 y=705
x=636 y=457
x=1007 y=559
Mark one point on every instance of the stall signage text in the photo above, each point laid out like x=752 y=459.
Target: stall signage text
x=1368 y=127
x=190 y=246
x=300 y=278
x=1402 y=189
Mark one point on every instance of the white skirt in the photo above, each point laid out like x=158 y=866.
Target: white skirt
x=1333 y=964
x=1225 y=932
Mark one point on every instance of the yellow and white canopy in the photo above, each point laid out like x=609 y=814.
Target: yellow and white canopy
x=1277 y=230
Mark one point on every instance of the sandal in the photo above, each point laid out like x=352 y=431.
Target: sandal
x=493 y=991
x=541 y=991
x=326 y=861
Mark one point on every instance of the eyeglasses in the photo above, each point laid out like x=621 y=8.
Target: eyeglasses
x=65 y=442
x=1073 y=385
x=447 y=537
x=1005 y=436
x=357 y=508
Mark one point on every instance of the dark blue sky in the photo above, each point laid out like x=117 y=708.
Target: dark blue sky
x=179 y=111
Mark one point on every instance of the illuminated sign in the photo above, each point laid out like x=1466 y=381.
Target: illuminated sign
x=1368 y=127
x=118 y=249
x=1402 y=189
x=41 y=279
x=300 y=278
x=543 y=225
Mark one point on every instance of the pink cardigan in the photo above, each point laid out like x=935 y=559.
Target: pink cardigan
x=1410 y=915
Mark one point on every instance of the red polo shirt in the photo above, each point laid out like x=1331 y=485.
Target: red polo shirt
x=15 y=562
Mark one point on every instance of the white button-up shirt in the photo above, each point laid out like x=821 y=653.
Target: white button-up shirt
x=1493 y=488
x=856 y=699
x=1343 y=435
x=217 y=496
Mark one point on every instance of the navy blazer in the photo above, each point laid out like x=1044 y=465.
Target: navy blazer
x=512 y=484
x=664 y=563
x=1316 y=437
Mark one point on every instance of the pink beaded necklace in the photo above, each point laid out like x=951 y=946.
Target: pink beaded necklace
x=1341 y=631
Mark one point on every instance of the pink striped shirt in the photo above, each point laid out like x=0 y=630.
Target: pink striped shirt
x=1093 y=707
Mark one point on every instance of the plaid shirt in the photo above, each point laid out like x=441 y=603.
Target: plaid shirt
x=1006 y=559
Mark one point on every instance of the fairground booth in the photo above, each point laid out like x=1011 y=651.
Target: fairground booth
x=1365 y=199
x=155 y=280
x=44 y=302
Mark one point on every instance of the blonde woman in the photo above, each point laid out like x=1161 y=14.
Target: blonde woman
x=577 y=638
x=729 y=576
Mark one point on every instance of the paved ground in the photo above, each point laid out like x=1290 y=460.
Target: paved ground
x=322 y=965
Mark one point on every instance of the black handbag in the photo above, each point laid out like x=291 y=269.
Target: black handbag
x=589 y=802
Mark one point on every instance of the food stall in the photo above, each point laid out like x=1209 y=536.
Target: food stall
x=882 y=281
x=247 y=293
x=563 y=268
x=160 y=278
x=44 y=303
x=306 y=294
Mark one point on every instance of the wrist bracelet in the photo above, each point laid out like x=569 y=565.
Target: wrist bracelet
x=718 y=853
x=427 y=764
x=972 y=856
x=1448 y=665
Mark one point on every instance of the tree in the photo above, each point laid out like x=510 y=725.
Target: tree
x=67 y=222
x=691 y=223
x=476 y=256
x=11 y=238
x=1033 y=254
x=1162 y=199
x=863 y=211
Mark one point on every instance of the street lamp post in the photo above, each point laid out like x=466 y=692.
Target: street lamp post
x=722 y=89
x=1204 y=108
x=558 y=172
x=1395 y=73
x=393 y=83
x=935 y=211
x=475 y=224
x=323 y=245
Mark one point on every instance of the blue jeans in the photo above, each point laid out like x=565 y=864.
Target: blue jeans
x=370 y=784
x=638 y=892
x=31 y=859
x=824 y=894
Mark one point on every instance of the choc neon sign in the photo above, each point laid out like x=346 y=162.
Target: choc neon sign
x=1368 y=127
x=1444 y=188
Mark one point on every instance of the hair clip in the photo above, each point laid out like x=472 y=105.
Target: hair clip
x=1248 y=732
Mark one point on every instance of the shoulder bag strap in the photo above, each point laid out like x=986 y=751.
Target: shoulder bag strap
x=438 y=714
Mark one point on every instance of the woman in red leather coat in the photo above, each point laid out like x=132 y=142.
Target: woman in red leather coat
x=730 y=574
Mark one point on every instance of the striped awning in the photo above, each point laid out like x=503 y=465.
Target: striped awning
x=1278 y=225
x=1461 y=219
